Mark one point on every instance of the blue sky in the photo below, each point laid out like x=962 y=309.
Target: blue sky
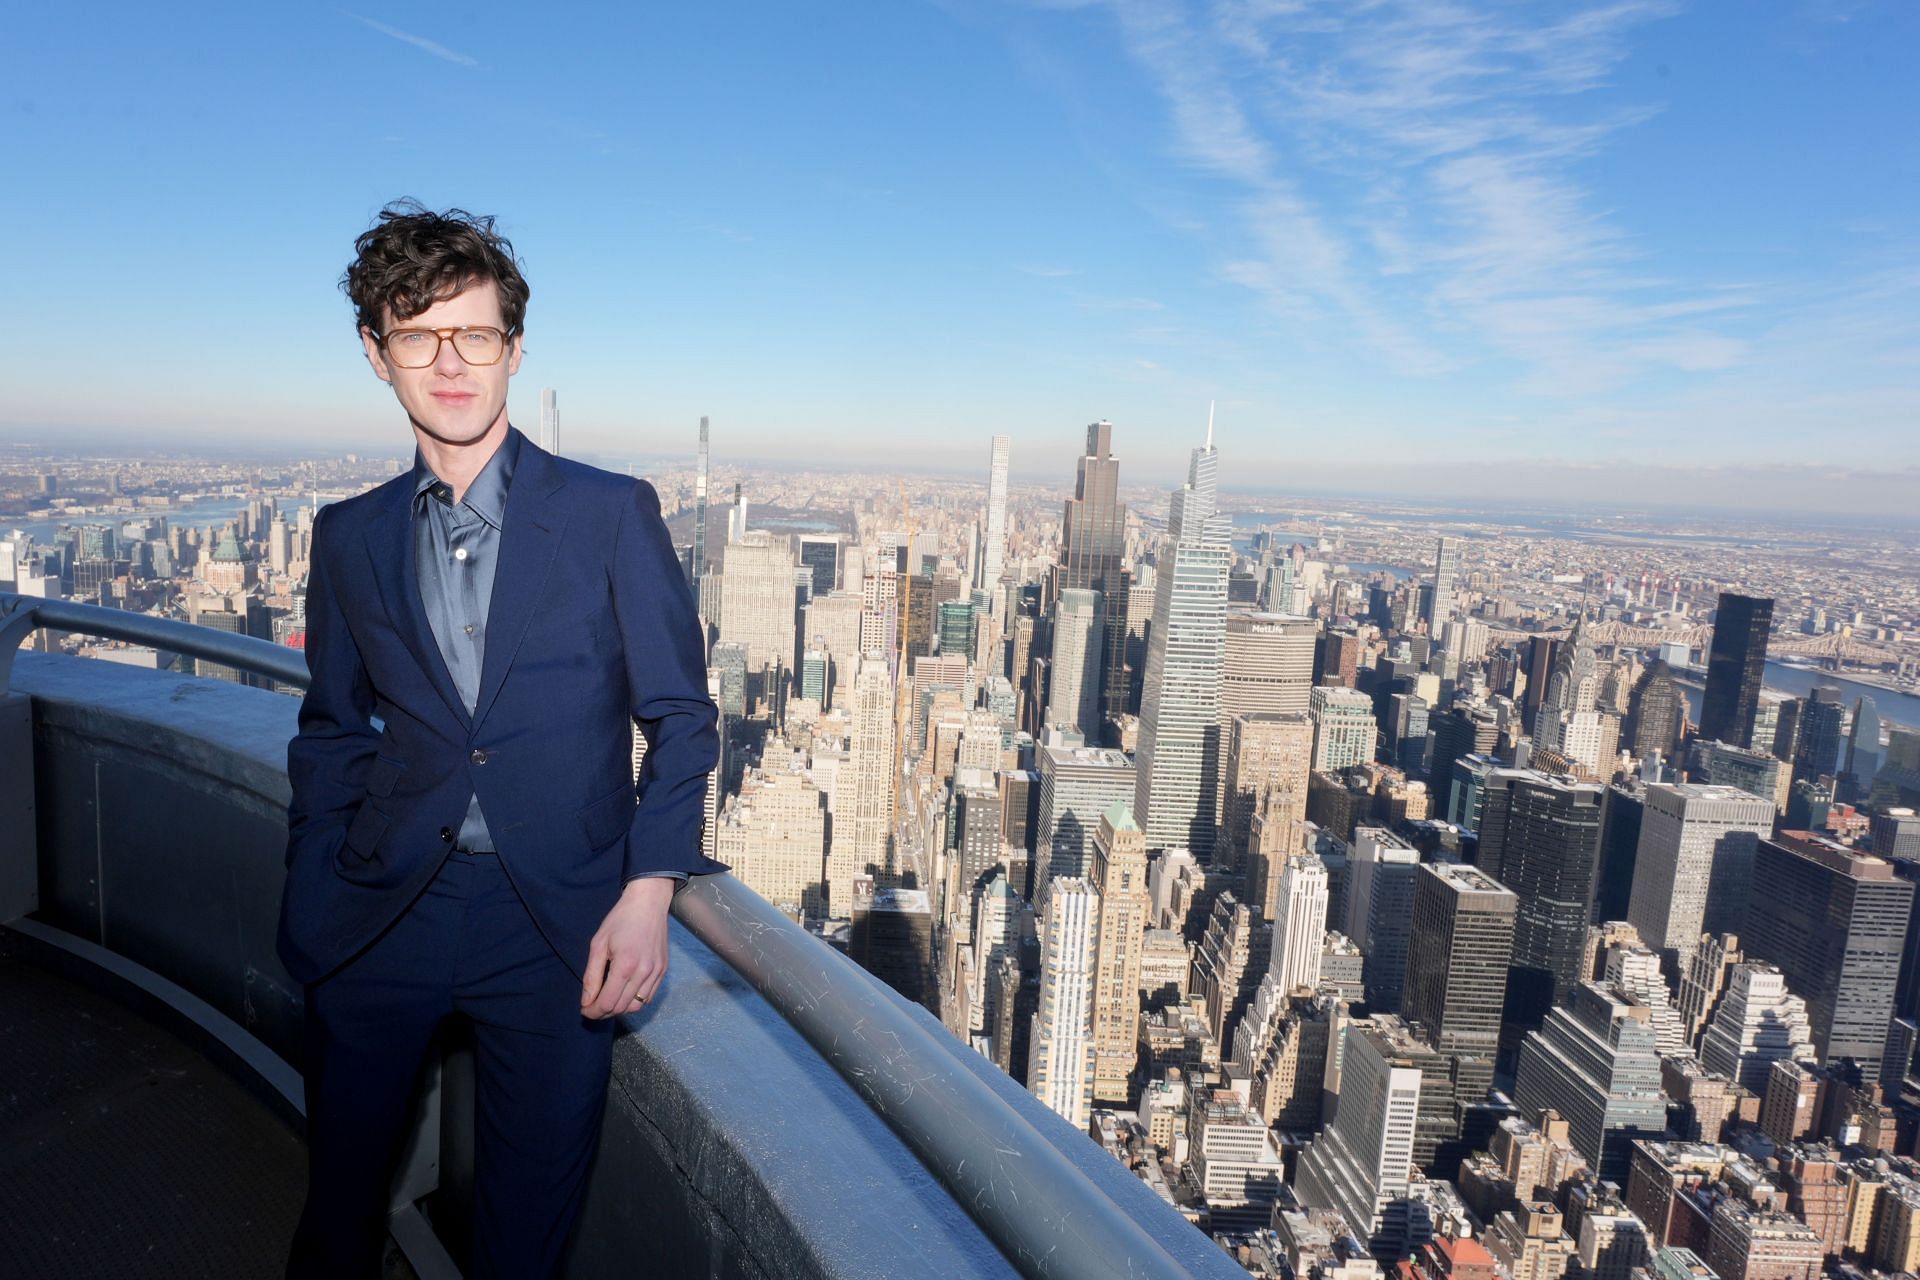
x=1397 y=242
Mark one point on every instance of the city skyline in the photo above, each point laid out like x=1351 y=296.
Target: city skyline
x=1573 y=246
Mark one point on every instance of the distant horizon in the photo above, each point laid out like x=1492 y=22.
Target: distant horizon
x=1338 y=480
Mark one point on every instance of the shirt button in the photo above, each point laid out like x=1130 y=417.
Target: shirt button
x=478 y=757
x=460 y=553
x=469 y=628
x=446 y=835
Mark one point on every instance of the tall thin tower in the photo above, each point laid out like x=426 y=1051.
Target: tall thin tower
x=1180 y=754
x=549 y=420
x=991 y=561
x=1446 y=569
x=699 y=565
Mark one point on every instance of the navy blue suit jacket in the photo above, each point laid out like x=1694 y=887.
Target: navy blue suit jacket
x=591 y=629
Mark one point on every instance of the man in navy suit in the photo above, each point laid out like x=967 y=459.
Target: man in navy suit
x=483 y=632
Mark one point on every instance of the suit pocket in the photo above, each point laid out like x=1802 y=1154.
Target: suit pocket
x=383 y=773
x=364 y=832
x=607 y=819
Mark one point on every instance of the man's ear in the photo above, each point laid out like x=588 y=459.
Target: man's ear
x=515 y=349
x=376 y=357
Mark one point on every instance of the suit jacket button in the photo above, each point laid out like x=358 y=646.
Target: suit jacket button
x=446 y=834
x=478 y=757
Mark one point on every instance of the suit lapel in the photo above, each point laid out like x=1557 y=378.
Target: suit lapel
x=396 y=570
x=529 y=539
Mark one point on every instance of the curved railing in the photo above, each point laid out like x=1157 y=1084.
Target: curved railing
x=1051 y=1201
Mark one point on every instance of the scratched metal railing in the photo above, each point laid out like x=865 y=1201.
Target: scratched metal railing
x=1045 y=1213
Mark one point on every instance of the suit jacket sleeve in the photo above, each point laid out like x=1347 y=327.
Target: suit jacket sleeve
x=665 y=654
x=328 y=757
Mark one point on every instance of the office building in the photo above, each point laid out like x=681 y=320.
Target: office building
x=820 y=557
x=1834 y=920
x=1060 y=1053
x=1758 y=1022
x=1360 y=1166
x=1299 y=924
x=1736 y=667
x=1446 y=574
x=1540 y=836
x=1656 y=713
x=1077 y=785
x=1266 y=752
x=1694 y=865
x=1269 y=664
x=1595 y=1062
x=757 y=600
x=1236 y=1161
x=1382 y=870
x=1093 y=543
x=1119 y=878
x=774 y=834
x=957 y=626
x=1755 y=772
x=892 y=938
x=1821 y=723
x=1463 y=729
x=864 y=820
x=1344 y=730
x=1181 y=748
x=1079 y=648
x=1569 y=723
x=1461 y=944
x=549 y=420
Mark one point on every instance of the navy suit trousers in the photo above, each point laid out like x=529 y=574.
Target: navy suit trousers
x=466 y=946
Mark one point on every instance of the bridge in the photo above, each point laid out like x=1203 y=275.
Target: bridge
x=779 y=1113
x=1836 y=647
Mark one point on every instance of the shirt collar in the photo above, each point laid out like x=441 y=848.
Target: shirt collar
x=487 y=496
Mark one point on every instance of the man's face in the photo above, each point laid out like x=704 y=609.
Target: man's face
x=450 y=400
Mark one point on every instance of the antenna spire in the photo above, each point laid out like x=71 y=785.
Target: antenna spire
x=1209 y=424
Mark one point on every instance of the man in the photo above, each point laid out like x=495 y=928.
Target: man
x=463 y=838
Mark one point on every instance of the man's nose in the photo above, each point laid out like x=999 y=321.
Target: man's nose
x=447 y=362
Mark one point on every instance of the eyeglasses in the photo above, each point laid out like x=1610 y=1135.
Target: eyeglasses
x=476 y=344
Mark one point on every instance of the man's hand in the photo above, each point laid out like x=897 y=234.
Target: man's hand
x=628 y=957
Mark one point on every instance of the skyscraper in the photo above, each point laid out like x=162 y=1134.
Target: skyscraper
x=757 y=600
x=820 y=557
x=1758 y=1023
x=866 y=825
x=1299 y=924
x=1266 y=751
x=1360 y=1165
x=990 y=561
x=1077 y=785
x=1596 y=1061
x=1446 y=569
x=1079 y=649
x=1461 y=946
x=1655 y=712
x=1180 y=741
x=1060 y=1059
x=549 y=420
x=1822 y=717
x=1540 y=836
x=1834 y=919
x=1694 y=865
x=1736 y=667
x=1568 y=724
x=699 y=565
x=1093 y=544
x=1120 y=878
x=1268 y=665
x=1344 y=729
x=1863 y=751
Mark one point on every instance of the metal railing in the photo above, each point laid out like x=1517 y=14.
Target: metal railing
x=1045 y=1213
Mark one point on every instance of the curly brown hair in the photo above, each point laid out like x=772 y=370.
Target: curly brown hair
x=413 y=257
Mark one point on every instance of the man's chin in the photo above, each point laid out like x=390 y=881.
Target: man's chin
x=453 y=433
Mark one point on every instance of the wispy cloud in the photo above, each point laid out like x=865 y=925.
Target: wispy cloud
x=425 y=45
x=1408 y=171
